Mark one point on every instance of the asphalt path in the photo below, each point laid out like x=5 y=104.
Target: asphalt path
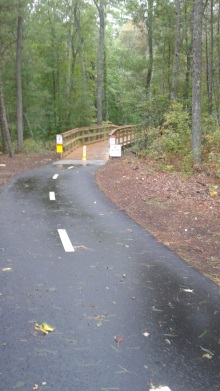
x=129 y=315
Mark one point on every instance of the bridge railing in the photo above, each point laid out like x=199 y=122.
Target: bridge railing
x=128 y=134
x=125 y=135
x=72 y=139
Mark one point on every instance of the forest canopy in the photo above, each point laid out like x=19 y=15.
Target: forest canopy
x=72 y=63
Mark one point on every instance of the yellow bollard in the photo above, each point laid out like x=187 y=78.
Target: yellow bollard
x=84 y=152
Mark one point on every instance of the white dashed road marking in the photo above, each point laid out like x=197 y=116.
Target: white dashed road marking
x=161 y=388
x=55 y=176
x=65 y=240
x=52 y=196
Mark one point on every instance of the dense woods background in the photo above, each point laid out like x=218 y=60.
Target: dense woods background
x=70 y=63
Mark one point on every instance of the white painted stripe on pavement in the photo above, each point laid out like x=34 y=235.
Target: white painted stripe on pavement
x=161 y=388
x=52 y=196
x=65 y=240
x=69 y=168
x=55 y=176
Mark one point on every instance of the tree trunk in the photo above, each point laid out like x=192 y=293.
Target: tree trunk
x=211 y=59
x=188 y=67
x=4 y=141
x=218 y=61
x=207 y=66
x=218 y=44
x=4 y=122
x=82 y=66
x=176 y=51
x=101 y=10
x=105 y=98
x=196 y=81
x=149 y=25
x=19 y=80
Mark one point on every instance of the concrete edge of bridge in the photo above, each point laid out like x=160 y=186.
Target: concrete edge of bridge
x=80 y=162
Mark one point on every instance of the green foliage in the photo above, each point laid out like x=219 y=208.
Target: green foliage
x=212 y=143
x=169 y=143
x=37 y=146
x=155 y=110
x=176 y=119
x=56 y=97
x=174 y=135
x=211 y=152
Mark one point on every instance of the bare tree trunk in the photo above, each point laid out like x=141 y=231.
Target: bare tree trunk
x=72 y=54
x=218 y=61
x=4 y=122
x=207 y=65
x=78 y=26
x=4 y=141
x=101 y=9
x=149 y=25
x=176 y=51
x=19 y=80
x=55 y=74
x=196 y=81
x=211 y=59
x=218 y=44
x=188 y=67
x=105 y=98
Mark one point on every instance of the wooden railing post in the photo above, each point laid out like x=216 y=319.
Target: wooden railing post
x=125 y=135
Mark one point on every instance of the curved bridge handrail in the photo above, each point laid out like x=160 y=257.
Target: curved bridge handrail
x=127 y=134
x=73 y=138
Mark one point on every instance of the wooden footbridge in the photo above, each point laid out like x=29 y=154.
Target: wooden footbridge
x=97 y=140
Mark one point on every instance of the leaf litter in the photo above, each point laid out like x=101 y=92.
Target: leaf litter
x=206 y=355
x=166 y=204
x=101 y=318
x=44 y=327
x=118 y=340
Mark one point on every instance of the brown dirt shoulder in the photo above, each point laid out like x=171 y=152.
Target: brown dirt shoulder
x=179 y=212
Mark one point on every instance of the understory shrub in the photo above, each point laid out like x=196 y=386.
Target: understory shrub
x=37 y=146
x=174 y=136
x=211 y=152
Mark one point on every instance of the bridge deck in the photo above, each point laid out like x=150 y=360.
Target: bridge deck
x=95 y=151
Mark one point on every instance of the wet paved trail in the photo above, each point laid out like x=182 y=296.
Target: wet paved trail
x=129 y=315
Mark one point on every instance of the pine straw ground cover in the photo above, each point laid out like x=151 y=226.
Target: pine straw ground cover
x=183 y=213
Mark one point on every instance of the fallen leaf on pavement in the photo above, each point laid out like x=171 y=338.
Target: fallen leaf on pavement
x=44 y=327
x=188 y=290
x=202 y=335
x=6 y=269
x=118 y=340
x=82 y=248
x=156 y=309
x=206 y=355
x=160 y=388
